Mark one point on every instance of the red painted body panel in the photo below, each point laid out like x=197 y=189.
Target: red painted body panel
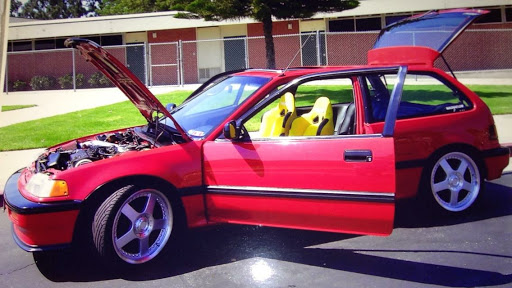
x=418 y=138
x=179 y=165
x=408 y=181
x=405 y=55
x=320 y=215
x=302 y=164
x=44 y=229
x=194 y=208
x=495 y=166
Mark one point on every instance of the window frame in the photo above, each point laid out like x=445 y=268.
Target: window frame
x=346 y=74
x=368 y=111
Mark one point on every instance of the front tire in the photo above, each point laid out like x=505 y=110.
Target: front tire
x=133 y=225
x=455 y=181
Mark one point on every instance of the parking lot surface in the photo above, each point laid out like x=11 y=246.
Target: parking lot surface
x=471 y=250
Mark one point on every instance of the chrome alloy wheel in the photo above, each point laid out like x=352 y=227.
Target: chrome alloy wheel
x=455 y=181
x=142 y=226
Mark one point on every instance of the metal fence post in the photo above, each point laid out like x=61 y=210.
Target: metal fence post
x=74 y=69
x=318 y=50
x=145 y=64
x=326 y=48
x=150 y=66
x=246 y=52
x=181 y=80
x=7 y=74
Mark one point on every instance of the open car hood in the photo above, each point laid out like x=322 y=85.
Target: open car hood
x=429 y=33
x=124 y=79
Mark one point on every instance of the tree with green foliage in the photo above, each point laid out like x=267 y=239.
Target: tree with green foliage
x=261 y=10
x=118 y=7
x=15 y=8
x=264 y=11
x=54 y=9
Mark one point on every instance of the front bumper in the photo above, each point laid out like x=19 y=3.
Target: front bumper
x=39 y=226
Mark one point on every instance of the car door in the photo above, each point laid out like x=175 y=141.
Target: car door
x=327 y=183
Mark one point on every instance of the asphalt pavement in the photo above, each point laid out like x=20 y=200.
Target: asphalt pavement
x=471 y=250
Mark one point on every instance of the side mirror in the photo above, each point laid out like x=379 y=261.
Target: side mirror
x=231 y=131
x=170 y=106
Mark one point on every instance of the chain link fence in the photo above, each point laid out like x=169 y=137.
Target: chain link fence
x=66 y=69
x=192 y=62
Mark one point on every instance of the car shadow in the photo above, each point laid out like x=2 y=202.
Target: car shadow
x=493 y=202
x=221 y=245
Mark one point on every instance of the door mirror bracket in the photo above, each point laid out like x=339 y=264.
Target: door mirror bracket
x=231 y=131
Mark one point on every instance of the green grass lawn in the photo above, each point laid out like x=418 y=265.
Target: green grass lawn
x=52 y=130
x=497 y=97
x=6 y=108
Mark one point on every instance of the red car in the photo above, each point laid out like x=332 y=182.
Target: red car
x=319 y=148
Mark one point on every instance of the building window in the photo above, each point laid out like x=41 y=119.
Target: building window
x=59 y=43
x=108 y=40
x=395 y=18
x=345 y=25
x=44 y=44
x=508 y=13
x=111 y=40
x=359 y=24
x=368 y=24
x=95 y=39
x=22 y=46
x=494 y=16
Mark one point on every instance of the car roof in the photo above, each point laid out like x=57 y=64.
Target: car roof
x=296 y=71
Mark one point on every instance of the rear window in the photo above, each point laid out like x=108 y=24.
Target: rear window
x=433 y=29
x=423 y=95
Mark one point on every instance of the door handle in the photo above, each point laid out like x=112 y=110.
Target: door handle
x=358 y=155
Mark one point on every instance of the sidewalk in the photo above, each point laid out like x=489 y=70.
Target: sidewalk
x=55 y=102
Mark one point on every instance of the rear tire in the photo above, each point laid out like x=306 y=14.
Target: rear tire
x=454 y=182
x=133 y=225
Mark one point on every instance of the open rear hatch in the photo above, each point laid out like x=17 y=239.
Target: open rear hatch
x=421 y=39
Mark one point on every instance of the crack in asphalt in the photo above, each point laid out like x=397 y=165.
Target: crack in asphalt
x=16 y=270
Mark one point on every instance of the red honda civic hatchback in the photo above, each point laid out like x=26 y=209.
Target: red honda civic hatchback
x=317 y=148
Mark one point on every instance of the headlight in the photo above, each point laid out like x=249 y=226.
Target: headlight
x=40 y=185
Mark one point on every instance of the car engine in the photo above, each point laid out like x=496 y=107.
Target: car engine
x=79 y=153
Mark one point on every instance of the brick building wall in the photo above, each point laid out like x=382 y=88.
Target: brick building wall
x=282 y=45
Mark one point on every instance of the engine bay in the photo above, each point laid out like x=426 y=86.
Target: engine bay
x=100 y=147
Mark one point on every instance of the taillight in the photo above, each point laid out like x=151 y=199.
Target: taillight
x=493 y=134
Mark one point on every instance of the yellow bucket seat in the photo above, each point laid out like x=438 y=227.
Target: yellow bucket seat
x=278 y=120
x=318 y=121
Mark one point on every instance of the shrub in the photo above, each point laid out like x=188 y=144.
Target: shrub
x=66 y=81
x=42 y=82
x=19 y=85
x=98 y=80
x=79 y=80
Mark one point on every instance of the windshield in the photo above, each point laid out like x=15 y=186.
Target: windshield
x=202 y=113
x=433 y=29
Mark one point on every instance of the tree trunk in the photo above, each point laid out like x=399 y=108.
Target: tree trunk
x=269 y=42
